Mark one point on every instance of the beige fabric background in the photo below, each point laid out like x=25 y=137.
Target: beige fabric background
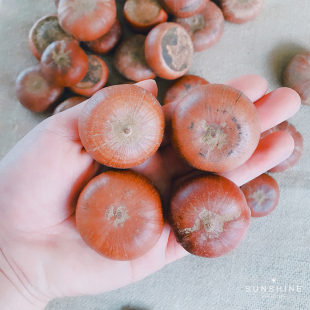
x=276 y=250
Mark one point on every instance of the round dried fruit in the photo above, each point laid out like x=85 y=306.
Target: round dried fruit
x=209 y=215
x=44 y=32
x=169 y=50
x=95 y=78
x=122 y=126
x=64 y=63
x=205 y=28
x=215 y=128
x=119 y=214
x=33 y=90
x=108 y=41
x=262 y=195
x=182 y=87
x=298 y=140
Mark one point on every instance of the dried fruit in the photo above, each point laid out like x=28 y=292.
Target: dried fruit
x=44 y=32
x=122 y=126
x=205 y=28
x=241 y=11
x=209 y=215
x=69 y=103
x=294 y=158
x=169 y=50
x=34 y=91
x=262 y=195
x=143 y=15
x=64 y=63
x=215 y=128
x=87 y=20
x=297 y=76
x=183 y=8
x=183 y=86
x=130 y=61
x=95 y=78
x=108 y=41
x=119 y=214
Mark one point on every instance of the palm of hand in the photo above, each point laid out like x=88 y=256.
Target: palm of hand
x=43 y=175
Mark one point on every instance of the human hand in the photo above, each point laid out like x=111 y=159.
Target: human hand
x=42 y=255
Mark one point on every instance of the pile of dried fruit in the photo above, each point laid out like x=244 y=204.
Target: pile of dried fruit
x=57 y=41
x=215 y=128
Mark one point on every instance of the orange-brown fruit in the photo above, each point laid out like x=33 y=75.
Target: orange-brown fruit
x=298 y=148
x=34 y=91
x=130 y=61
x=95 y=78
x=108 y=41
x=121 y=126
x=143 y=15
x=69 y=103
x=119 y=214
x=209 y=215
x=205 y=28
x=215 y=128
x=241 y=11
x=297 y=76
x=183 y=8
x=87 y=20
x=169 y=50
x=182 y=87
x=44 y=32
x=64 y=63
x=262 y=195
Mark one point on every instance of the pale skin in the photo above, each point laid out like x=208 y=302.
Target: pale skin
x=41 y=253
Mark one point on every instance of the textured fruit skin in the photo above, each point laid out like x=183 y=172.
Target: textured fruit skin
x=205 y=28
x=169 y=50
x=37 y=48
x=298 y=149
x=121 y=126
x=119 y=214
x=297 y=76
x=69 y=103
x=34 y=91
x=87 y=20
x=239 y=12
x=209 y=215
x=144 y=23
x=262 y=195
x=183 y=8
x=215 y=128
x=108 y=41
x=91 y=83
x=129 y=59
x=64 y=63
x=182 y=87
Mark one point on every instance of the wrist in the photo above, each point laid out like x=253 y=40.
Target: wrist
x=15 y=297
